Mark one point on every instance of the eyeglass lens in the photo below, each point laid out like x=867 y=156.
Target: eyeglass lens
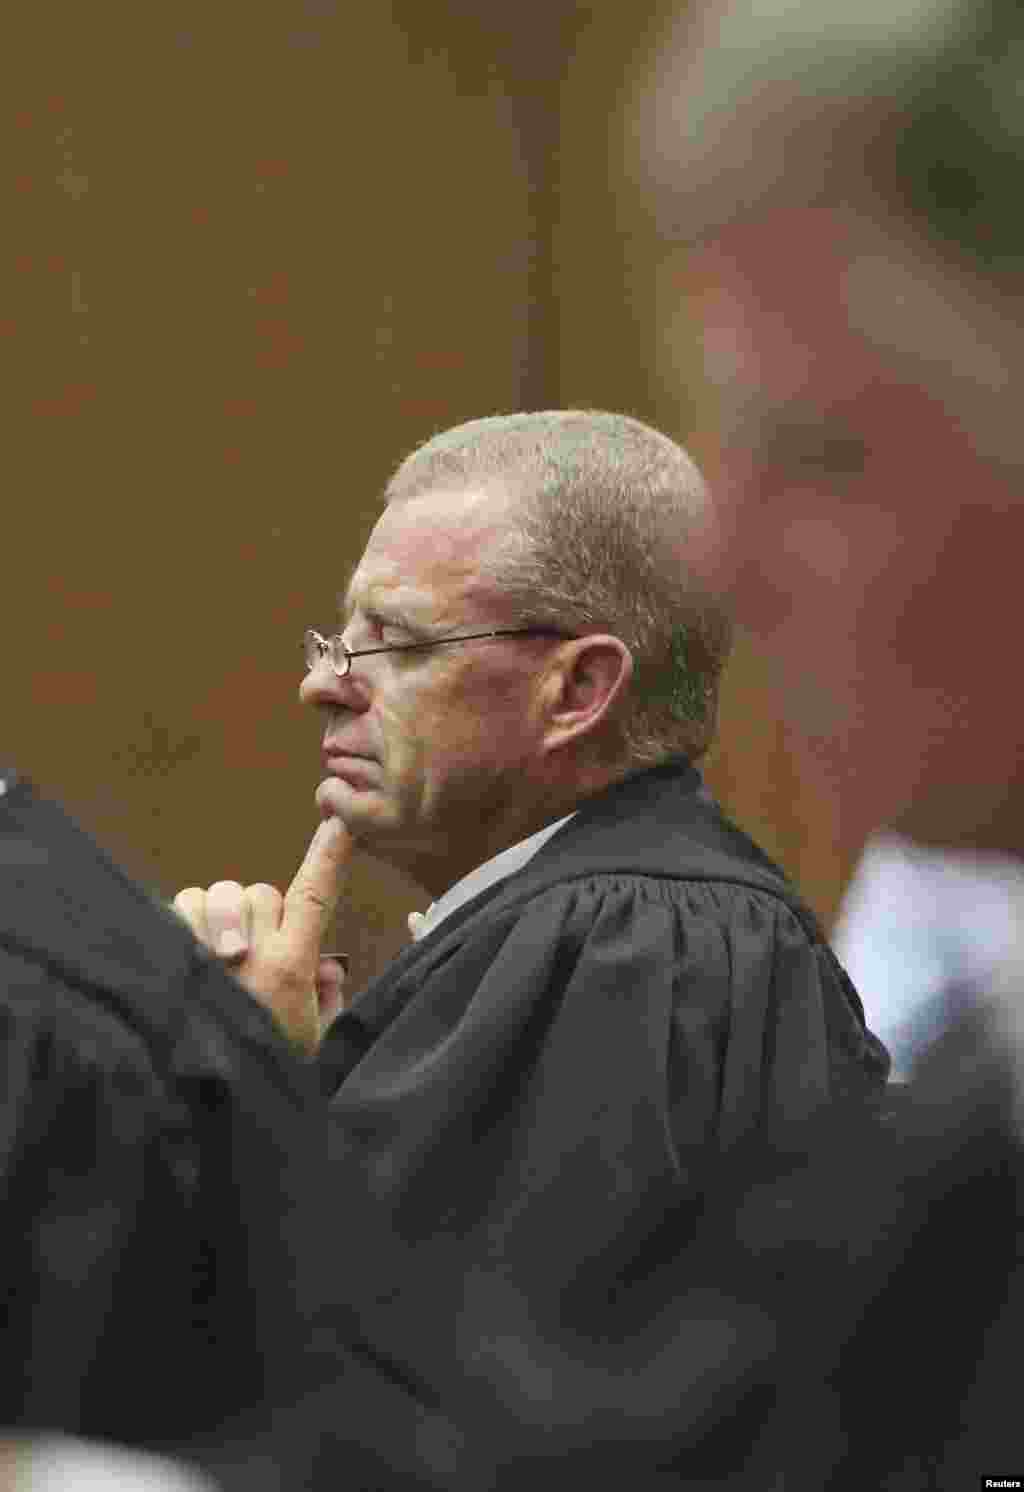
x=317 y=647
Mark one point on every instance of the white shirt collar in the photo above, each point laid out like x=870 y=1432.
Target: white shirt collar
x=506 y=863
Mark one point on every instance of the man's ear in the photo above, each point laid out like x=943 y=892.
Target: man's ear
x=592 y=675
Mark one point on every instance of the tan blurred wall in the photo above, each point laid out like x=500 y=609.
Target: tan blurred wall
x=254 y=255
x=258 y=253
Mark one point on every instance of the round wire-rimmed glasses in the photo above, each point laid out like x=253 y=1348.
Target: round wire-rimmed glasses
x=317 y=647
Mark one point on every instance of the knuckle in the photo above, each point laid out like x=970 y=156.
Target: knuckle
x=225 y=888
x=261 y=891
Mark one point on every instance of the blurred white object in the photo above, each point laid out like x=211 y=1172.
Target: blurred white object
x=64 y=1465
x=922 y=933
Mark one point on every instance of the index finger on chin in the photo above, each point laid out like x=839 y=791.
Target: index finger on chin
x=312 y=898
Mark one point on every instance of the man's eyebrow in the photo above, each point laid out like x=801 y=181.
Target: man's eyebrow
x=381 y=613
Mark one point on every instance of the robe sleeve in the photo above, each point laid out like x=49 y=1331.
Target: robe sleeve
x=96 y=1187
x=766 y=1024
x=163 y=1259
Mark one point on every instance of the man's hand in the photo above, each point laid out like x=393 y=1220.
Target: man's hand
x=273 y=942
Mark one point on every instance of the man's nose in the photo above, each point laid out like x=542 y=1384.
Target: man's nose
x=322 y=687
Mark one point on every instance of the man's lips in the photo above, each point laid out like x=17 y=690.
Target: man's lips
x=346 y=764
x=331 y=751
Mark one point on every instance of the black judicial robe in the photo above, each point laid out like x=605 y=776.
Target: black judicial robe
x=164 y=1253
x=529 y=1102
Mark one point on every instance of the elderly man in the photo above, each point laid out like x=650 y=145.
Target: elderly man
x=849 y=177
x=613 y=986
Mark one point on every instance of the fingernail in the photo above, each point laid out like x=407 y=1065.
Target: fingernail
x=231 y=943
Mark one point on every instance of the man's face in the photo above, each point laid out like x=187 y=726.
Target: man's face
x=426 y=751
x=863 y=539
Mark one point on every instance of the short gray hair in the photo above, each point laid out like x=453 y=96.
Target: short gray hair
x=603 y=505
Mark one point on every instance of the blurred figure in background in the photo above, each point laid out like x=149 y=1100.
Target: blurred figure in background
x=847 y=181
x=849 y=178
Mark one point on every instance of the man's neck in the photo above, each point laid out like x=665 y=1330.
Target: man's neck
x=437 y=874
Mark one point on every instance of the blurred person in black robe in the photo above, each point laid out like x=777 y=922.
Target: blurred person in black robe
x=168 y=1279
x=847 y=179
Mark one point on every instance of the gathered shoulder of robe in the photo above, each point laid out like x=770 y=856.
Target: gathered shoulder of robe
x=525 y=1094
x=166 y=1256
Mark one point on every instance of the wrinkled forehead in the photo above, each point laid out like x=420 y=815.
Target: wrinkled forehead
x=432 y=546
